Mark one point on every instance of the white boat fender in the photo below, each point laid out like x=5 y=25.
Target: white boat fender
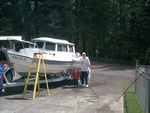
x=89 y=74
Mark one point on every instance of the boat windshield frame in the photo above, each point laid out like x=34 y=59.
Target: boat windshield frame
x=13 y=42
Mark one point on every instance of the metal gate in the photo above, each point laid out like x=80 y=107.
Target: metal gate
x=142 y=87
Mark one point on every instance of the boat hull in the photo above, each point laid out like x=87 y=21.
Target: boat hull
x=22 y=65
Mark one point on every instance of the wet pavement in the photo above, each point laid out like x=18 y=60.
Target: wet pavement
x=107 y=83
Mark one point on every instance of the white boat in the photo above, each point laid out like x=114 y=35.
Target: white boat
x=58 y=54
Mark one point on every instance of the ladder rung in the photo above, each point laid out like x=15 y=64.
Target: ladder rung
x=31 y=79
x=40 y=53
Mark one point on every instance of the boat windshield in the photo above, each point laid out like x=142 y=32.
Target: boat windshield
x=40 y=44
x=50 y=46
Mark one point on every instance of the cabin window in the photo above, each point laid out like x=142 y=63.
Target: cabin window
x=62 y=48
x=40 y=44
x=59 y=48
x=65 y=48
x=70 y=48
x=50 y=46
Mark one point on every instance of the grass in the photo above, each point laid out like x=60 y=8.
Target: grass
x=131 y=104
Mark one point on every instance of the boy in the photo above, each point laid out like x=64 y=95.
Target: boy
x=75 y=76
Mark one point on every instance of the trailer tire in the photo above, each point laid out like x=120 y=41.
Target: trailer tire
x=9 y=76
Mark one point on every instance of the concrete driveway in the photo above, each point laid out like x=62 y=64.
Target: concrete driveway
x=107 y=83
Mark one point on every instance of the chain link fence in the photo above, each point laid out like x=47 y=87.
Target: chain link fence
x=142 y=87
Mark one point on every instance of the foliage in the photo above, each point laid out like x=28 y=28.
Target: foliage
x=116 y=29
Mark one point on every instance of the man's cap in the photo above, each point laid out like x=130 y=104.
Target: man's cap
x=83 y=53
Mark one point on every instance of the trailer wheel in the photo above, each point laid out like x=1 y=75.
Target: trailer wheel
x=9 y=76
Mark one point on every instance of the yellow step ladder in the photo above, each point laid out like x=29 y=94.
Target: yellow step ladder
x=37 y=58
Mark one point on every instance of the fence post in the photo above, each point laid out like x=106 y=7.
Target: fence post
x=149 y=96
x=137 y=62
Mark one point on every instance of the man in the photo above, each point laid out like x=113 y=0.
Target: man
x=85 y=64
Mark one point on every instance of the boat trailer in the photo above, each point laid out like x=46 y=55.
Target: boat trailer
x=7 y=68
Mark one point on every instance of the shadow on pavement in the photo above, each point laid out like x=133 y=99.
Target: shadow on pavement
x=18 y=89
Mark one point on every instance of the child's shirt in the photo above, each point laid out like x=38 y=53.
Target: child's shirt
x=76 y=74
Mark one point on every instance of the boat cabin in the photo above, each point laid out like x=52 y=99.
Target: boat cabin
x=51 y=44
